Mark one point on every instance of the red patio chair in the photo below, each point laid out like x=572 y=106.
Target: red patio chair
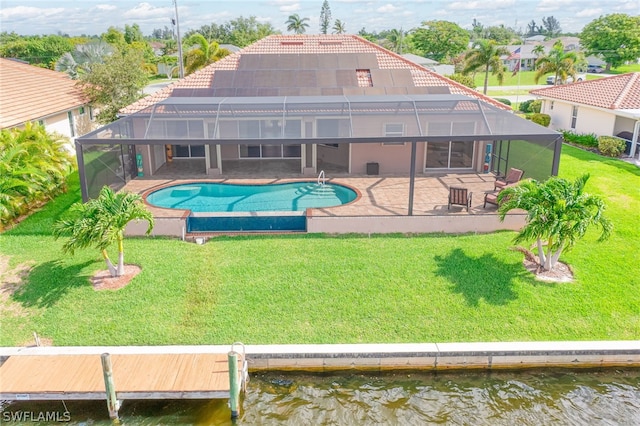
x=513 y=176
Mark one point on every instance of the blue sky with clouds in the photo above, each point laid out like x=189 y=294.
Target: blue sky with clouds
x=95 y=16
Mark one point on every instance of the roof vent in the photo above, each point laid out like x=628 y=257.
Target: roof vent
x=291 y=43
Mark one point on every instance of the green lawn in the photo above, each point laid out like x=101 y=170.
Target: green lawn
x=523 y=78
x=333 y=289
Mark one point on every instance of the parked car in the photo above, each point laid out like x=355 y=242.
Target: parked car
x=579 y=77
x=597 y=69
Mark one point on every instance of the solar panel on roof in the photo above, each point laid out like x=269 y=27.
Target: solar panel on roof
x=328 y=61
x=268 y=62
x=267 y=91
x=326 y=78
x=347 y=61
x=401 y=78
x=288 y=62
x=249 y=61
x=328 y=91
x=307 y=78
x=309 y=62
x=396 y=90
x=367 y=61
x=373 y=91
x=223 y=78
x=243 y=78
x=346 y=78
x=381 y=78
x=225 y=91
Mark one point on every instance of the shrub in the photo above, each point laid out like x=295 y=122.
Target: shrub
x=535 y=106
x=524 y=106
x=610 y=146
x=503 y=100
x=585 y=139
x=541 y=119
x=466 y=80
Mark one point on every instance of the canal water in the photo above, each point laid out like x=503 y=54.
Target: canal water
x=542 y=397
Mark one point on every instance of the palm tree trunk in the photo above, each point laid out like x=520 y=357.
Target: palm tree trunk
x=541 y=256
x=120 y=254
x=486 y=79
x=112 y=269
x=556 y=256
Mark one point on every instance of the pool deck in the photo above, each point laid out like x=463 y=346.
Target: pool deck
x=378 y=195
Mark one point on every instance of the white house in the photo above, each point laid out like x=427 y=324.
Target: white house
x=50 y=98
x=606 y=106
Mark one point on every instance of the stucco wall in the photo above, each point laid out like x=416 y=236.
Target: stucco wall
x=450 y=224
x=391 y=158
x=590 y=120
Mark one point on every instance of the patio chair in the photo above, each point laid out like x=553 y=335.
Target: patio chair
x=459 y=196
x=513 y=176
x=491 y=198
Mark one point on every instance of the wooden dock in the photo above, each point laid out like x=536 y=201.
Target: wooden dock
x=135 y=376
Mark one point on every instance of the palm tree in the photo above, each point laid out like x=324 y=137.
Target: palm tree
x=559 y=213
x=83 y=58
x=394 y=39
x=485 y=55
x=101 y=222
x=296 y=24
x=538 y=50
x=202 y=53
x=557 y=61
x=339 y=27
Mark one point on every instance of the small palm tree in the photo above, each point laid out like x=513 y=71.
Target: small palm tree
x=201 y=53
x=538 y=50
x=557 y=61
x=101 y=222
x=559 y=213
x=296 y=24
x=339 y=27
x=485 y=55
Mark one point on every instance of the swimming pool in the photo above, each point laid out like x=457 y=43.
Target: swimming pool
x=224 y=197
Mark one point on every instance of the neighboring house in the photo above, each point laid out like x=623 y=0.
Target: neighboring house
x=430 y=64
x=526 y=57
x=305 y=103
x=606 y=106
x=39 y=95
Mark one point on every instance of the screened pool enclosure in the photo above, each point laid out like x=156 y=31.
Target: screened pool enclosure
x=400 y=134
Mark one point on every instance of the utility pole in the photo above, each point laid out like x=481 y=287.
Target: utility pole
x=181 y=63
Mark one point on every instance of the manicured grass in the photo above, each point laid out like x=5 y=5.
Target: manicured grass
x=334 y=289
x=523 y=78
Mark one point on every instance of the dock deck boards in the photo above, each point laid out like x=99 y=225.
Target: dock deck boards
x=135 y=376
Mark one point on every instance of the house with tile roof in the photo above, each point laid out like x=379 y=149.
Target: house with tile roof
x=51 y=98
x=299 y=104
x=607 y=106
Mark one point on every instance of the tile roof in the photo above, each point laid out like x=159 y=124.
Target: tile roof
x=29 y=93
x=617 y=92
x=310 y=45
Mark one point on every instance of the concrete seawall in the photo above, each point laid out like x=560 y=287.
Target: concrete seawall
x=404 y=356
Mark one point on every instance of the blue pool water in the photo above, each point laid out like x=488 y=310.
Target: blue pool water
x=222 y=197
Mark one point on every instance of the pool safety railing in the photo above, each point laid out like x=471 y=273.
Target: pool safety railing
x=321 y=178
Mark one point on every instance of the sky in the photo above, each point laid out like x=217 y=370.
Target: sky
x=77 y=17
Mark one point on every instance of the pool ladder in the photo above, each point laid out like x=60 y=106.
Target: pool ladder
x=322 y=180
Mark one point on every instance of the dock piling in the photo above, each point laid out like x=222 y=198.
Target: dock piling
x=112 y=403
x=234 y=384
